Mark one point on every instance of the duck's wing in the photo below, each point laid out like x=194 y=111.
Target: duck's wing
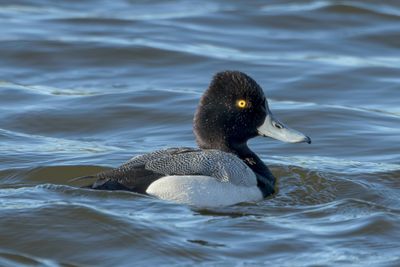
x=133 y=174
x=139 y=172
x=225 y=167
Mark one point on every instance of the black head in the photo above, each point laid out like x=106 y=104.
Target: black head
x=234 y=109
x=230 y=111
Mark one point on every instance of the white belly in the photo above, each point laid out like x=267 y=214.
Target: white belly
x=202 y=191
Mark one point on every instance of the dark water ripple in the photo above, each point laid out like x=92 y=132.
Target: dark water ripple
x=85 y=85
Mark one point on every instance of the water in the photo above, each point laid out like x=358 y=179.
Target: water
x=85 y=85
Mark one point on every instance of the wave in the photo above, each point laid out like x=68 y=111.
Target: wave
x=336 y=165
x=126 y=12
x=46 y=90
x=352 y=7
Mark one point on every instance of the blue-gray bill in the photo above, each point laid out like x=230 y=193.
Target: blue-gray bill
x=273 y=128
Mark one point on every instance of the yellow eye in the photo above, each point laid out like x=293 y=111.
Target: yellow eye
x=241 y=103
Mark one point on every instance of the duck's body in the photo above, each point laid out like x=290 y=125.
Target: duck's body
x=223 y=170
x=200 y=177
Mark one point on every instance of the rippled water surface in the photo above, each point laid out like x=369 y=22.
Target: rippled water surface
x=85 y=85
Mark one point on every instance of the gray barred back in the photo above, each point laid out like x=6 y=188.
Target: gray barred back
x=225 y=167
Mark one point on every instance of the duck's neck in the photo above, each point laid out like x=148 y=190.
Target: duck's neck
x=265 y=179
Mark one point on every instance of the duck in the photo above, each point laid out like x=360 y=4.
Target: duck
x=222 y=170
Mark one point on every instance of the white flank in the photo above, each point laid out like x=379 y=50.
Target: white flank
x=202 y=191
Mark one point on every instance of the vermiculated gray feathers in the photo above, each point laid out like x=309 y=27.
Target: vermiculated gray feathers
x=225 y=167
x=142 y=159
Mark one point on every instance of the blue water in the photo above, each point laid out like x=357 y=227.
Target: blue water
x=86 y=85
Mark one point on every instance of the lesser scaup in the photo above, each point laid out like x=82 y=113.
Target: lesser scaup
x=223 y=170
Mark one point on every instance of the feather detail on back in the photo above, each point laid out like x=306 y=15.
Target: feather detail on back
x=139 y=172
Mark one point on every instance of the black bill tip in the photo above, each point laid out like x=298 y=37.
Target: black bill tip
x=308 y=140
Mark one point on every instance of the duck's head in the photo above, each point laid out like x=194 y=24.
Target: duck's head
x=234 y=109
